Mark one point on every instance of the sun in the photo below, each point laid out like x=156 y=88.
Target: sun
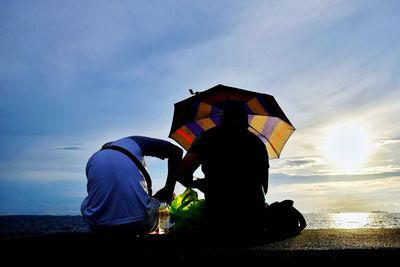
x=346 y=146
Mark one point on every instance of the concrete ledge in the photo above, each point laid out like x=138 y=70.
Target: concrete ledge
x=311 y=247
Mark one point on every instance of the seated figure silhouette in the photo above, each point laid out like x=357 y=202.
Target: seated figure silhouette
x=235 y=164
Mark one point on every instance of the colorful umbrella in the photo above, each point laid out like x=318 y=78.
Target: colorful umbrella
x=203 y=110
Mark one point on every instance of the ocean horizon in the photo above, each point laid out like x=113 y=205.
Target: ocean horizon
x=14 y=225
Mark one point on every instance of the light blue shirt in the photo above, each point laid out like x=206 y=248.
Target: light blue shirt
x=117 y=190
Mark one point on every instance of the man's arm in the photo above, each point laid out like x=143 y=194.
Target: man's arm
x=174 y=156
x=162 y=149
x=174 y=159
x=187 y=167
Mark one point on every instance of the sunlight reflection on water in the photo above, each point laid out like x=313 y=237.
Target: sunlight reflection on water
x=352 y=220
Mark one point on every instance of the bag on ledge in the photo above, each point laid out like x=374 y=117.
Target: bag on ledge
x=187 y=211
x=283 y=220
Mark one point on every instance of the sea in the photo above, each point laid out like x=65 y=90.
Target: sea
x=12 y=226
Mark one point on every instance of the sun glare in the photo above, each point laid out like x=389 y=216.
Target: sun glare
x=350 y=220
x=346 y=146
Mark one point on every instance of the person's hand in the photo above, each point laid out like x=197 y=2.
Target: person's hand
x=165 y=195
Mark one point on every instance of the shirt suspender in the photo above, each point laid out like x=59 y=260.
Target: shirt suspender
x=140 y=166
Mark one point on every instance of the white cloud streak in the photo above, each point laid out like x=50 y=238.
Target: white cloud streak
x=363 y=195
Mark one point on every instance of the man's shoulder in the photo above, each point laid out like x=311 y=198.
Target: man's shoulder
x=252 y=136
x=207 y=134
x=205 y=138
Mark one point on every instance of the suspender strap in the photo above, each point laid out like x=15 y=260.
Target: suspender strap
x=140 y=166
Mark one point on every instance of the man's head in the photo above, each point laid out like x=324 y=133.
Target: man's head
x=234 y=116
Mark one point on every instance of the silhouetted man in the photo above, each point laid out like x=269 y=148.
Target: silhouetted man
x=235 y=164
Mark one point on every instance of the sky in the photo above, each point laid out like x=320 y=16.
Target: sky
x=77 y=74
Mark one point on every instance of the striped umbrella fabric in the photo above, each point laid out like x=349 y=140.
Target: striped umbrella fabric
x=203 y=110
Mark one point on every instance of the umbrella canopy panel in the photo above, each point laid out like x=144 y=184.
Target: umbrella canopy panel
x=202 y=111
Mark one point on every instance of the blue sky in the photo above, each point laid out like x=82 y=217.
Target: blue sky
x=76 y=74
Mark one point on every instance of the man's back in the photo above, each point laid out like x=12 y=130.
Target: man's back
x=234 y=163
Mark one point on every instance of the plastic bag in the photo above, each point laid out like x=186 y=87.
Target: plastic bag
x=187 y=211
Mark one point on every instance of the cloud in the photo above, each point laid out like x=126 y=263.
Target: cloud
x=76 y=75
x=363 y=195
x=298 y=166
x=314 y=57
x=390 y=184
x=390 y=141
x=259 y=44
x=71 y=148
x=302 y=167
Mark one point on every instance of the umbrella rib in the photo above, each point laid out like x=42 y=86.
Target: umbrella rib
x=276 y=152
